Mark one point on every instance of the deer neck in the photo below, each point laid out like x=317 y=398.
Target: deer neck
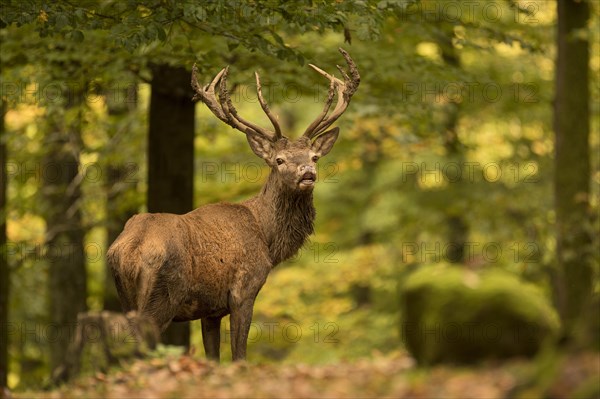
x=285 y=216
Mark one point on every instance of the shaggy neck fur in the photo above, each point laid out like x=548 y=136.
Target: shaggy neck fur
x=285 y=216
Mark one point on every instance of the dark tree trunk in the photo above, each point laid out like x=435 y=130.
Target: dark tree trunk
x=572 y=167
x=119 y=184
x=4 y=272
x=370 y=157
x=60 y=198
x=457 y=227
x=171 y=157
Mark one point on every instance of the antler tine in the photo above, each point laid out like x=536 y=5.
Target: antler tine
x=207 y=94
x=232 y=112
x=328 y=102
x=229 y=110
x=266 y=109
x=353 y=69
x=345 y=90
x=340 y=107
x=195 y=85
x=322 y=72
x=344 y=74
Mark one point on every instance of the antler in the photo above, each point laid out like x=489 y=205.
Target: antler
x=216 y=97
x=221 y=106
x=345 y=90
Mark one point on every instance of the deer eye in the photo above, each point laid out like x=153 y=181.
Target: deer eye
x=315 y=158
x=280 y=161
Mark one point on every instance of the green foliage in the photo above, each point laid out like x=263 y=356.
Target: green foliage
x=255 y=25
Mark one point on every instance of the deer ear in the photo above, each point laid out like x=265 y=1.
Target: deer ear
x=260 y=145
x=324 y=143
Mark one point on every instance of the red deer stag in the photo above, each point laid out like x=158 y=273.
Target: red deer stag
x=214 y=260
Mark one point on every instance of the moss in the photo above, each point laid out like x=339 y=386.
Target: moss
x=457 y=315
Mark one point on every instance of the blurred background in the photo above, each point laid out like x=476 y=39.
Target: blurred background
x=457 y=215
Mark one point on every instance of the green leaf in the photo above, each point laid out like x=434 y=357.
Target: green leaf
x=61 y=21
x=80 y=14
x=162 y=35
x=77 y=36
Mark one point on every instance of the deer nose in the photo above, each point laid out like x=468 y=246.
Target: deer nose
x=308 y=169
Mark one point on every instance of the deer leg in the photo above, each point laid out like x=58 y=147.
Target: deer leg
x=211 y=337
x=241 y=317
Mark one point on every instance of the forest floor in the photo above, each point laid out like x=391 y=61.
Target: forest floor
x=552 y=376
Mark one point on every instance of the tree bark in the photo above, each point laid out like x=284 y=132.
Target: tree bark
x=60 y=198
x=119 y=186
x=171 y=157
x=4 y=272
x=572 y=167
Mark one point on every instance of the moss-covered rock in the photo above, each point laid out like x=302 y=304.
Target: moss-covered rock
x=455 y=315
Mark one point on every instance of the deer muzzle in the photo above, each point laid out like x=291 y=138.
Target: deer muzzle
x=308 y=177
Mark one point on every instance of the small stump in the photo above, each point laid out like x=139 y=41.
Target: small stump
x=102 y=339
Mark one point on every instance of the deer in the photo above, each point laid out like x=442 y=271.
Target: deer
x=214 y=260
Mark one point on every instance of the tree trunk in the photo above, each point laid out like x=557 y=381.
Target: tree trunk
x=572 y=167
x=4 y=272
x=171 y=157
x=457 y=227
x=60 y=198
x=119 y=185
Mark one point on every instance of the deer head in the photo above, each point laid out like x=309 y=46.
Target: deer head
x=293 y=160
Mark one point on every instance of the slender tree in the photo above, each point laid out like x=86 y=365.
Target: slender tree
x=119 y=180
x=457 y=227
x=60 y=198
x=572 y=165
x=4 y=272
x=171 y=156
